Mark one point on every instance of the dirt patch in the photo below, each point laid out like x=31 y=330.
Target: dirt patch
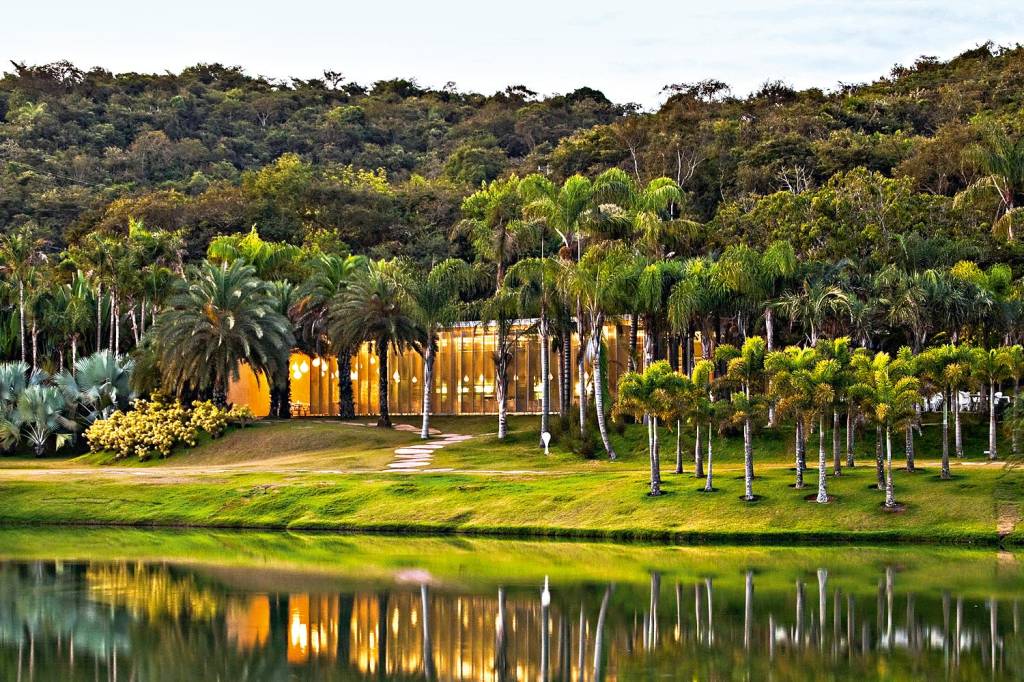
x=897 y=508
x=1007 y=516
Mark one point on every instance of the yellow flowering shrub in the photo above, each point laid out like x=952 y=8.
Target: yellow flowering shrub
x=157 y=427
x=241 y=415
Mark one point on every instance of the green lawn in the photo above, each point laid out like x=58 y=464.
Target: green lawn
x=325 y=474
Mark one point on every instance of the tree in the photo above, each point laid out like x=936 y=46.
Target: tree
x=218 y=318
x=435 y=304
x=990 y=367
x=888 y=399
x=375 y=307
x=700 y=405
x=745 y=368
x=97 y=385
x=329 y=276
x=1001 y=160
x=40 y=414
x=650 y=396
x=284 y=295
x=20 y=253
x=788 y=372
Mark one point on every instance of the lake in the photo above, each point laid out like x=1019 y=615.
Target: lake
x=123 y=604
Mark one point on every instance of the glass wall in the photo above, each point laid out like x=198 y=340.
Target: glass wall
x=464 y=375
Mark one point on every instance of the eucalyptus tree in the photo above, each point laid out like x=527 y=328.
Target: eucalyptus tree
x=788 y=371
x=535 y=283
x=651 y=396
x=216 y=319
x=435 y=304
x=375 y=307
x=745 y=367
x=889 y=398
x=329 y=276
x=990 y=367
x=597 y=282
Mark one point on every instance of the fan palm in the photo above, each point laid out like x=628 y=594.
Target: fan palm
x=218 y=318
x=98 y=384
x=40 y=413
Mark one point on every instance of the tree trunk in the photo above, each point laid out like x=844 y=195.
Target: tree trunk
x=748 y=461
x=35 y=343
x=652 y=442
x=384 y=419
x=346 y=399
x=707 y=484
x=890 y=500
x=822 y=473
x=769 y=329
x=698 y=454
x=945 y=435
x=992 y=421
x=909 y=435
x=21 y=317
x=1014 y=433
x=958 y=435
x=99 y=318
x=582 y=387
x=798 y=454
x=428 y=384
x=879 y=459
x=849 y=437
x=545 y=382
x=602 y=427
x=633 y=325
x=679 y=446
x=837 y=464
x=650 y=342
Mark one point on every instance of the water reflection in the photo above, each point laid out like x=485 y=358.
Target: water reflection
x=139 y=621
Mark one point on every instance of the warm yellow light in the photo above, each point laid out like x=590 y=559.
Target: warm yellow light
x=304 y=367
x=354 y=375
x=373 y=360
x=316 y=361
x=414 y=380
x=296 y=374
x=397 y=377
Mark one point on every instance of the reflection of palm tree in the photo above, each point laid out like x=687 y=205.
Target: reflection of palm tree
x=602 y=615
x=428 y=646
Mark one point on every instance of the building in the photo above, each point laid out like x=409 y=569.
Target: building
x=463 y=375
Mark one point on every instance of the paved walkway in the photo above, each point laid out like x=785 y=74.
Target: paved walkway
x=421 y=455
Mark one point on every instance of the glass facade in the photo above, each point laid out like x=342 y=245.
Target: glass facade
x=464 y=375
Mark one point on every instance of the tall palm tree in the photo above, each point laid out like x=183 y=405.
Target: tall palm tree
x=329 y=276
x=758 y=279
x=375 y=307
x=745 y=367
x=699 y=298
x=941 y=370
x=890 y=400
x=703 y=410
x=650 y=396
x=20 y=253
x=284 y=296
x=1001 y=159
x=990 y=367
x=218 y=318
x=788 y=371
x=814 y=305
x=435 y=304
x=597 y=281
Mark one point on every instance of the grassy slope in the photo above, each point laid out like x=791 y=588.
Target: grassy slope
x=282 y=476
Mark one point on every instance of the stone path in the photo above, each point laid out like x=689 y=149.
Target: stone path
x=416 y=457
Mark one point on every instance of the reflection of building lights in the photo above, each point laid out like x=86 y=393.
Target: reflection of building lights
x=304 y=367
x=316 y=361
x=296 y=374
x=373 y=360
x=414 y=380
x=353 y=375
x=443 y=388
x=397 y=377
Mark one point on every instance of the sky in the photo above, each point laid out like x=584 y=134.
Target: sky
x=627 y=50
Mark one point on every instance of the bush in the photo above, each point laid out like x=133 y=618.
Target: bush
x=241 y=415
x=157 y=427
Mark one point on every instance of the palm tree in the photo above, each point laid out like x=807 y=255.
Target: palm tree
x=745 y=367
x=838 y=350
x=435 y=305
x=20 y=253
x=98 y=384
x=1001 y=159
x=40 y=414
x=271 y=260
x=787 y=371
x=284 y=295
x=535 y=282
x=699 y=299
x=890 y=400
x=218 y=318
x=813 y=305
x=14 y=379
x=700 y=404
x=757 y=278
x=329 y=276
x=1015 y=365
x=375 y=307
x=597 y=282
x=990 y=367
x=651 y=396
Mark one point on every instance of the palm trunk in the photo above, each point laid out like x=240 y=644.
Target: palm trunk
x=909 y=436
x=707 y=484
x=634 y=323
x=1015 y=431
x=74 y=352
x=99 y=317
x=652 y=430
x=545 y=383
x=879 y=459
x=769 y=329
x=748 y=461
x=428 y=385
x=35 y=342
x=346 y=399
x=992 y=421
x=679 y=446
x=945 y=436
x=21 y=317
x=958 y=437
x=501 y=379
x=849 y=437
x=890 y=500
x=799 y=453
x=837 y=464
x=698 y=454
x=822 y=474
x=384 y=420
x=650 y=341
x=581 y=355
x=602 y=427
